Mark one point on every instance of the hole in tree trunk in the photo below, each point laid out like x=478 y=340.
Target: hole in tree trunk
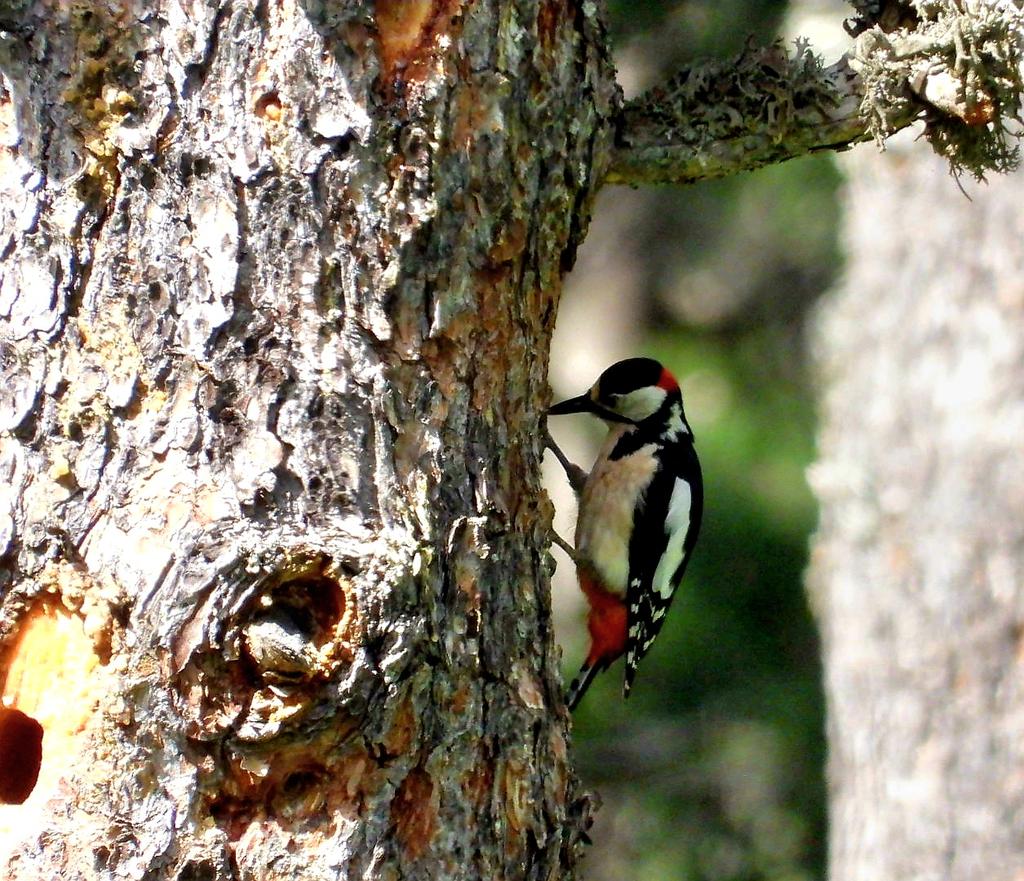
x=21 y=754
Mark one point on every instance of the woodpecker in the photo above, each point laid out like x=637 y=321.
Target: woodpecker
x=639 y=512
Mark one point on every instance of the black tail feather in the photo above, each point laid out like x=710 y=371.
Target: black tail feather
x=631 y=662
x=580 y=684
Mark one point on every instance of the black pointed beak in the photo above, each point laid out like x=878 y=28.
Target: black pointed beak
x=580 y=404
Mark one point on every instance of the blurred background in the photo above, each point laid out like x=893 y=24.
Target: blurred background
x=714 y=768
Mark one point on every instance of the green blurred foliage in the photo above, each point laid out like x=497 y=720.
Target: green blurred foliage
x=700 y=27
x=714 y=768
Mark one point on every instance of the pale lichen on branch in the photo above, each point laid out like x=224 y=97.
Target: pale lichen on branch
x=956 y=65
x=717 y=118
x=958 y=62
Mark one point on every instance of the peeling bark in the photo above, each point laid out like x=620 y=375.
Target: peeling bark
x=278 y=283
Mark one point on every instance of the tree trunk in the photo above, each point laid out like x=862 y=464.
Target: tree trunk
x=918 y=566
x=277 y=289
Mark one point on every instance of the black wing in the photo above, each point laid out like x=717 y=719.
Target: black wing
x=662 y=542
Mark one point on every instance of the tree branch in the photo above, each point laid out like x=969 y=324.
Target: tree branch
x=960 y=71
x=719 y=119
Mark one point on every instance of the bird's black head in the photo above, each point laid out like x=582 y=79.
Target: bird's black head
x=629 y=391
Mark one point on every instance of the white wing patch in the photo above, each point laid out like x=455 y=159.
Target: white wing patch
x=677 y=523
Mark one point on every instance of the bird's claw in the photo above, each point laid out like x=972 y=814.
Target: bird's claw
x=577 y=476
x=565 y=546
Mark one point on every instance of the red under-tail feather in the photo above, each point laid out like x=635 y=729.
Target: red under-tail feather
x=607 y=624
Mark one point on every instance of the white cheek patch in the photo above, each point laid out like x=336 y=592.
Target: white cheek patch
x=640 y=404
x=677 y=523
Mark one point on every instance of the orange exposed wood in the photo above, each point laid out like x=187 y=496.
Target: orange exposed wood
x=550 y=16
x=408 y=32
x=414 y=812
x=403 y=731
x=48 y=673
x=399 y=24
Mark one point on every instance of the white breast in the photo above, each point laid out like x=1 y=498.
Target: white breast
x=609 y=496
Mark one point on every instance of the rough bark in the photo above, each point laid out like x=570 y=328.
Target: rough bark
x=278 y=283
x=918 y=567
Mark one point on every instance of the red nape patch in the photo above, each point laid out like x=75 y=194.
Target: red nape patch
x=667 y=381
x=607 y=622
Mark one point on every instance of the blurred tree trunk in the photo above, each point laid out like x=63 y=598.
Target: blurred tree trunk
x=277 y=289
x=918 y=566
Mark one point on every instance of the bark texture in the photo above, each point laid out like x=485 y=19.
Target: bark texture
x=277 y=288
x=918 y=567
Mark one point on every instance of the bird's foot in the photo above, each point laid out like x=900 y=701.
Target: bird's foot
x=568 y=548
x=576 y=475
